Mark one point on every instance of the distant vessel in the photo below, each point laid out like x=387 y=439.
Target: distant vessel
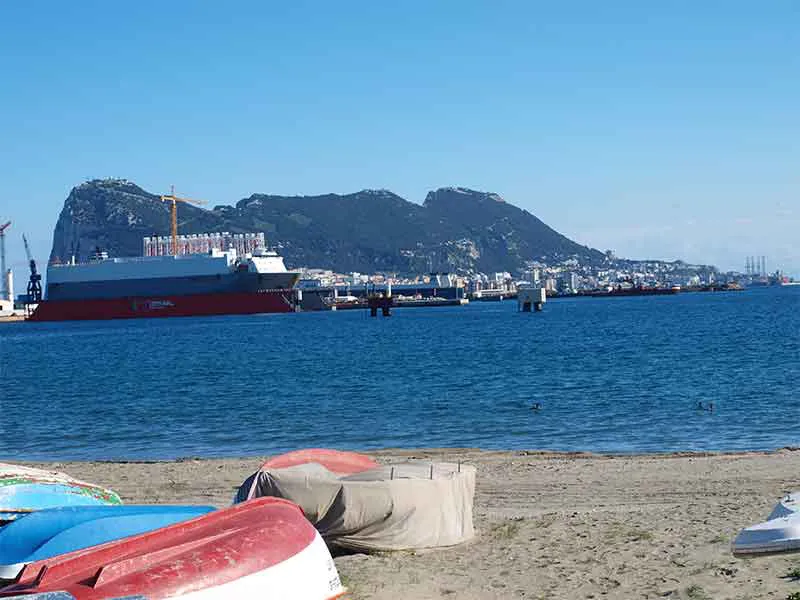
x=216 y=283
x=633 y=291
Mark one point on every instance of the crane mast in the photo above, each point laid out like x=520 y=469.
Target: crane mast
x=35 y=281
x=171 y=197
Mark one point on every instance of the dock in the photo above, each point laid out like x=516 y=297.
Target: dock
x=398 y=303
x=357 y=297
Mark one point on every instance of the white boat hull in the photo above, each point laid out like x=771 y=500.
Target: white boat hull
x=296 y=578
x=776 y=536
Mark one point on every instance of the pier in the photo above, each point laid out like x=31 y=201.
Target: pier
x=380 y=302
x=359 y=297
x=531 y=298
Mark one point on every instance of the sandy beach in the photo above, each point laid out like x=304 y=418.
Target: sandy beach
x=549 y=526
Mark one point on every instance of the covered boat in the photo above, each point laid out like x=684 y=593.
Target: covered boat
x=336 y=461
x=262 y=549
x=24 y=490
x=393 y=507
x=53 y=531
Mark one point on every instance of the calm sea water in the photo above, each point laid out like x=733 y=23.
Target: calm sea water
x=612 y=375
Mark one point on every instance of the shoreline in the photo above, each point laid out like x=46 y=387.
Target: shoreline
x=548 y=525
x=397 y=452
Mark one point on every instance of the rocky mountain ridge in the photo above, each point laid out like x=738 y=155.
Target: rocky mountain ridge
x=455 y=229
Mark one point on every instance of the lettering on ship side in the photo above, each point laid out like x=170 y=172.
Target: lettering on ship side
x=145 y=305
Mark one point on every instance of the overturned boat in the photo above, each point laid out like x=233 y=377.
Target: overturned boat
x=340 y=462
x=404 y=506
x=261 y=549
x=53 y=531
x=779 y=534
x=776 y=536
x=25 y=489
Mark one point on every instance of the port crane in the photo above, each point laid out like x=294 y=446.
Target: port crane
x=4 y=292
x=171 y=197
x=35 y=281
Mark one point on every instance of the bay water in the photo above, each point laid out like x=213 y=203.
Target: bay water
x=610 y=375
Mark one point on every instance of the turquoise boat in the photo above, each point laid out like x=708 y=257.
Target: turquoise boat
x=54 y=531
x=24 y=490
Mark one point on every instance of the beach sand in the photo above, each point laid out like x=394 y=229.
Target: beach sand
x=548 y=525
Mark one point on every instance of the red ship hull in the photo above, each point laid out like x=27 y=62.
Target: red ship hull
x=200 y=305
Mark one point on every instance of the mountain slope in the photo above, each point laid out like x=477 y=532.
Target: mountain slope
x=456 y=229
x=503 y=233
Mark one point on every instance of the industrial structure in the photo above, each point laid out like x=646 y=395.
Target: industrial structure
x=202 y=243
x=755 y=266
x=530 y=297
x=171 y=197
x=35 y=281
x=5 y=292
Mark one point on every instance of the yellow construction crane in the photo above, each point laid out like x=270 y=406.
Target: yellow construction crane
x=175 y=199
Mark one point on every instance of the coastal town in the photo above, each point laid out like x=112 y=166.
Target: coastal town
x=565 y=277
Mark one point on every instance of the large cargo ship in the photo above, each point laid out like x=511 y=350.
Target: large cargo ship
x=216 y=283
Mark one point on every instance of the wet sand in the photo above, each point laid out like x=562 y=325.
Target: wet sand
x=558 y=526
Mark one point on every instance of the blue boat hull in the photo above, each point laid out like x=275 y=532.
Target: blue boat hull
x=20 y=499
x=51 y=532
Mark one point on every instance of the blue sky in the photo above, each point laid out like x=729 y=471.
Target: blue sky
x=657 y=129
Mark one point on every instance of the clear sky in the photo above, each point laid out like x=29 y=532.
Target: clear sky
x=657 y=129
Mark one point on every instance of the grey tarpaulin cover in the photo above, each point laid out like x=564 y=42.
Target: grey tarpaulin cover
x=394 y=507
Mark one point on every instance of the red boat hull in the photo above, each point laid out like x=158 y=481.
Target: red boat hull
x=336 y=461
x=200 y=305
x=264 y=549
